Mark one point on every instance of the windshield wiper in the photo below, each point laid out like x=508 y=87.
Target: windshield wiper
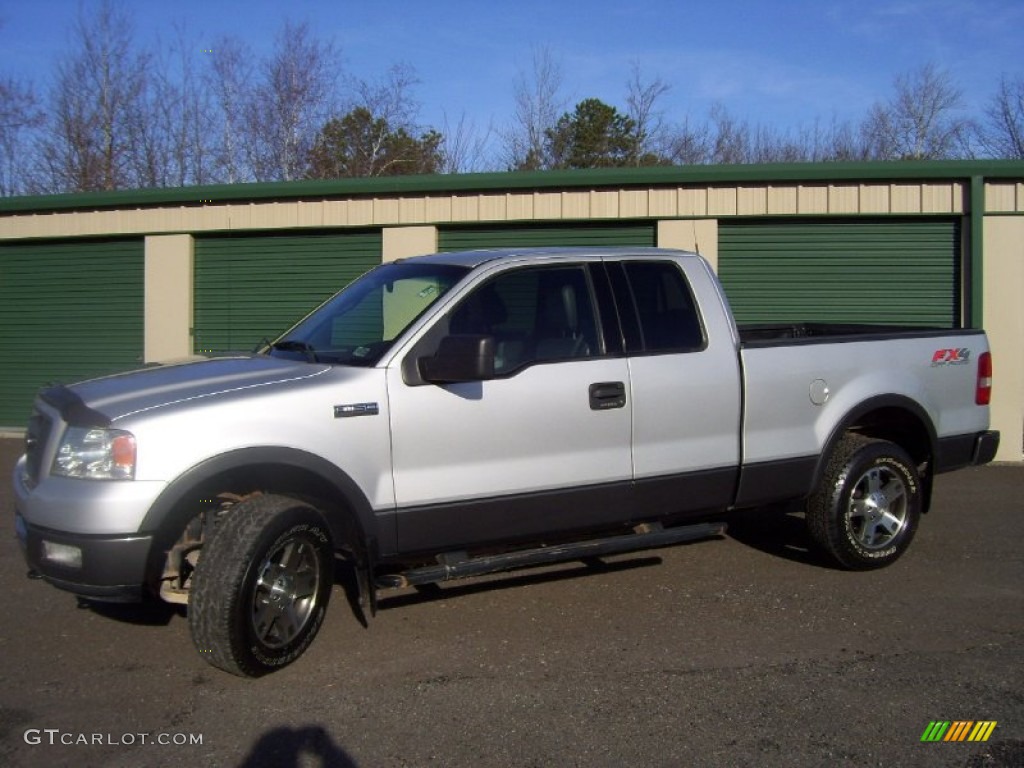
x=294 y=345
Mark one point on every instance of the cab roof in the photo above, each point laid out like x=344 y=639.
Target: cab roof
x=475 y=258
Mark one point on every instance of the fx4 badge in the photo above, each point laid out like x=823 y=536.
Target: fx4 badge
x=951 y=357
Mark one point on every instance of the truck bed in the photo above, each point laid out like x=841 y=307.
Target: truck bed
x=772 y=334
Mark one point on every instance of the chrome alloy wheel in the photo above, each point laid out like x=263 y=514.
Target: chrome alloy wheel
x=877 y=510
x=286 y=591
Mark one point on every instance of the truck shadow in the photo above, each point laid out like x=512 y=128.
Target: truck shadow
x=149 y=613
x=774 y=531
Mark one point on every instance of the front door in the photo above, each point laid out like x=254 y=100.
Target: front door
x=542 y=447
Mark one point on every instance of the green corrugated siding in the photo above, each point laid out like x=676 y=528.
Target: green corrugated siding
x=899 y=271
x=68 y=311
x=525 y=235
x=251 y=288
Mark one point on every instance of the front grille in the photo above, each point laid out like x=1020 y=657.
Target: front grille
x=35 y=443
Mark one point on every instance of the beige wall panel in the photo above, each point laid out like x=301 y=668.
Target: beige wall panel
x=843 y=199
x=752 y=201
x=519 y=205
x=700 y=235
x=439 y=208
x=1000 y=198
x=335 y=213
x=693 y=201
x=781 y=200
x=311 y=214
x=604 y=204
x=575 y=205
x=465 y=208
x=212 y=217
x=906 y=198
x=1004 y=322
x=360 y=212
x=663 y=202
x=240 y=216
x=875 y=198
x=812 y=199
x=150 y=220
x=493 y=207
x=386 y=210
x=547 y=205
x=634 y=203
x=412 y=210
x=937 y=198
x=722 y=201
x=401 y=242
x=168 y=298
x=275 y=215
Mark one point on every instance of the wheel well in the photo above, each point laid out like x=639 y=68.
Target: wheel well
x=898 y=426
x=189 y=519
x=909 y=431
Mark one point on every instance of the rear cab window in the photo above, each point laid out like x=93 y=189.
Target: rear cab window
x=656 y=308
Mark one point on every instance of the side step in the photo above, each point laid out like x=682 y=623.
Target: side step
x=458 y=565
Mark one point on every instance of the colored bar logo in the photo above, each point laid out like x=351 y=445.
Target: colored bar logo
x=958 y=730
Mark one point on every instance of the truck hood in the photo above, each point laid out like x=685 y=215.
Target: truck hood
x=103 y=401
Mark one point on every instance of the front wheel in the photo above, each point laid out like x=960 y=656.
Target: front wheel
x=261 y=587
x=866 y=509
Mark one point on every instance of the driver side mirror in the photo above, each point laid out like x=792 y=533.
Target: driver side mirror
x=459 y=358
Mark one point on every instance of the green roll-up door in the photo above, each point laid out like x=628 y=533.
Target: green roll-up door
x=524 y=236
x=251 y=288
x=880 y=271
x=68 y=311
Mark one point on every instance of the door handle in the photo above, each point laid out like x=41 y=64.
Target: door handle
x=607 y=394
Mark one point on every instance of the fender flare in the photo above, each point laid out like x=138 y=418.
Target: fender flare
x=166 y=517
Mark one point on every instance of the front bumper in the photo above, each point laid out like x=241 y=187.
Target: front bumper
x=108 y=568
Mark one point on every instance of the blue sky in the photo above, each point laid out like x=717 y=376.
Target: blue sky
x=780 y=62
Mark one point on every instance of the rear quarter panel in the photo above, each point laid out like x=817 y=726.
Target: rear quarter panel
x=782 y=421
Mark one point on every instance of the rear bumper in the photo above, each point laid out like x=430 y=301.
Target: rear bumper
x=108 y=568
x=966 y=450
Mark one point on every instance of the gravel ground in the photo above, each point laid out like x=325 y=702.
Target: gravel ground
x=743 y=651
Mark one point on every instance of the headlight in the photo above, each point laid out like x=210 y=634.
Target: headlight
x=96 y=454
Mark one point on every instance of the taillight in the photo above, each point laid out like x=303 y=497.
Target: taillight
x=983 y=392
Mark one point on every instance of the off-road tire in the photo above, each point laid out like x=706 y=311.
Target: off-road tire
x=866 y=509
x=261 y=587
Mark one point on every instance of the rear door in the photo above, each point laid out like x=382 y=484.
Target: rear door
x=685 y=383
x=541 y=448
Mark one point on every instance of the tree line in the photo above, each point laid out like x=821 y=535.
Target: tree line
x=117 y=117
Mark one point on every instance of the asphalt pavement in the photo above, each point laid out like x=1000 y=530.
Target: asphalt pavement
x=742 y=651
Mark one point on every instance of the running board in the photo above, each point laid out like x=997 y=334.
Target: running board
x=458 y=565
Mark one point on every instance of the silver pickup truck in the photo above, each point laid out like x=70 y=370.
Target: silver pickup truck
x=464 y=413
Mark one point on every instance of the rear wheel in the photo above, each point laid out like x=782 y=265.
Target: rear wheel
x=866 y=509
x=261 y=587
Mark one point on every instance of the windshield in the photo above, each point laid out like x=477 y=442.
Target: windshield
x=358 y=325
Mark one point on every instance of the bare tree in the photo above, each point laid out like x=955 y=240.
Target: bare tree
x=642 y=98
x=686 y=143
x=538 y=105
x=94 y=102
x=464 y=147
x=171 y=134
x=1002 y=136
x=229 y=81
x=290 y=103
x=922 y=120
x=19 y=115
